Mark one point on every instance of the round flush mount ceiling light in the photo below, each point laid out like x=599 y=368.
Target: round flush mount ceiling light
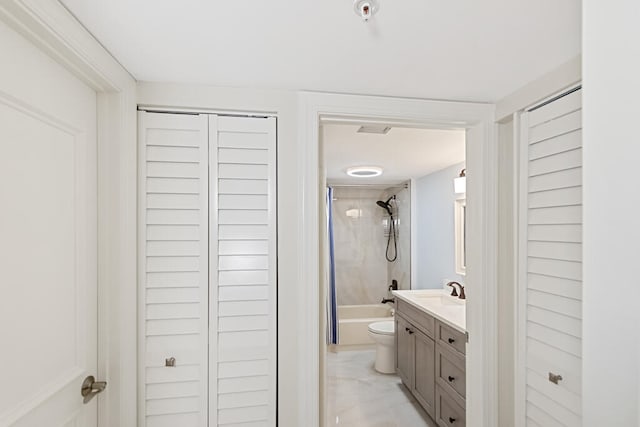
x=364 y=171
x=365 y=9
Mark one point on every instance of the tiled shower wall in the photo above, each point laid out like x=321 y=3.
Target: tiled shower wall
x=363 y=275
x=400 y=270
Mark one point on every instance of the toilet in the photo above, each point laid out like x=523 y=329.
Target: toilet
x=383 y=334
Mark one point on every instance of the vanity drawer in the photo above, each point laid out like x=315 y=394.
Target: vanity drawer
x=448 y=412
x=450 y=371
x=451 y=338
x=420 y=319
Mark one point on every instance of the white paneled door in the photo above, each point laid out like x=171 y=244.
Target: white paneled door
x=208 y=288
x=551 y=263
x=48 y=285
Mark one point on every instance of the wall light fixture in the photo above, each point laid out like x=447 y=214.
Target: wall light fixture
x=460 y=183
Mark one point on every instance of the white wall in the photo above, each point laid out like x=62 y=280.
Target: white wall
x=284 y=104
x=611 y=306
x=435 y=229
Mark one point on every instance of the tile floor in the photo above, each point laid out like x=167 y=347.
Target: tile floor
x=358 y=396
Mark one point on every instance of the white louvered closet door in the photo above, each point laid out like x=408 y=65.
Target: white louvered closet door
x=242 y=157
x=208 y=270
x=551 y=262
x=174 y=276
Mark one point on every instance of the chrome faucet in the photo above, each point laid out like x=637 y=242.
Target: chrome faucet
x=454 y=292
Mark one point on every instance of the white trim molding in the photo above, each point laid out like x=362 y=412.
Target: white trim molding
x=521 y=126
x=566 y=75
x=54 y=30
x=478 y=119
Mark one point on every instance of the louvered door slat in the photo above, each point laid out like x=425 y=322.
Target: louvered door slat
x=559 y=144
x=551 y=262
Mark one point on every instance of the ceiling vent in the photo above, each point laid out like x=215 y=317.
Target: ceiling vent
x=377 y=129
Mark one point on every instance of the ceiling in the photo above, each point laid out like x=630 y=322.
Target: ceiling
x=439 y=49
x=404 y=153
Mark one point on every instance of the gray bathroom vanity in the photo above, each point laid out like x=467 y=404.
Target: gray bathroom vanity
x=430 y=352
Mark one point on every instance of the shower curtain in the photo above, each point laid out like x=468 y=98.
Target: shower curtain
x=332 y=302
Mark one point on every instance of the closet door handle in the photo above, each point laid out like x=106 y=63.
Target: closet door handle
x=555 y=378
x=452 y=420
x=451 y=340
x=451 y=379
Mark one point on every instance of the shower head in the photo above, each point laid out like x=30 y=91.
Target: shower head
x=386 y=205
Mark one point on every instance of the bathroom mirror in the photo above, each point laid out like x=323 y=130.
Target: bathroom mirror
x=460 y=235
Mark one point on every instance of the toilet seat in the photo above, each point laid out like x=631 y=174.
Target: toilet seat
x=386 y=327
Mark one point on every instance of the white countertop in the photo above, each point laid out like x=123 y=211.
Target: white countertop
x=437 y=303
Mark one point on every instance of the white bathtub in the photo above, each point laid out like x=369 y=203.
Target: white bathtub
x=353 y=321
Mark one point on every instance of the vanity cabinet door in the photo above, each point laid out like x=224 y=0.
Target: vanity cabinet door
x=449 y=413
x=404 y=351
x=424 y=388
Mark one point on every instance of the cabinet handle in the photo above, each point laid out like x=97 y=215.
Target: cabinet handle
x=452 y=420
x=451 y=340
x=451 y=379
x=408 y=330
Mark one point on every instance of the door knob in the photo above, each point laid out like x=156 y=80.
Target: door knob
x=91 y=387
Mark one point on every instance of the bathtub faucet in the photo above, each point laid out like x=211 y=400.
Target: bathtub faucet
x=386 y=300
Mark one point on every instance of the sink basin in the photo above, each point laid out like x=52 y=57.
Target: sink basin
x=438 y=300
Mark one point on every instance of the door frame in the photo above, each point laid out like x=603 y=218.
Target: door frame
x=57 y=33
x=482 y=157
